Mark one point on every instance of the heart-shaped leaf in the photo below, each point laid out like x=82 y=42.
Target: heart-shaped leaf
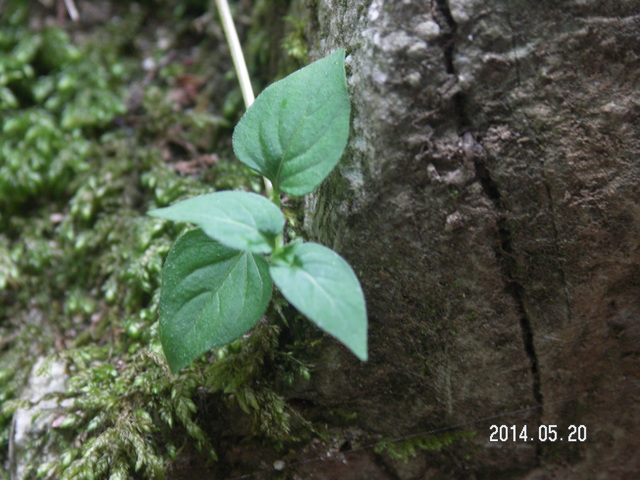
x=296 y=130
x=322 y=285
x=240 y=220
x=211 y=295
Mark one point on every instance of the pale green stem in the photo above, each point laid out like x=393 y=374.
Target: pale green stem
x=279 y=242
x=71 y=8
x=236 y=51
x=241 y=68
x=274 y=196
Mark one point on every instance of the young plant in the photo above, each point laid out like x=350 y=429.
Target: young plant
x=217 y=280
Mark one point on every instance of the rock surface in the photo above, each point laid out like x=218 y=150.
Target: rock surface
x=489 y=203
x=30 y=439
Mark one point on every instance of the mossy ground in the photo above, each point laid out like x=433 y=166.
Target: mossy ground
x=128 y=110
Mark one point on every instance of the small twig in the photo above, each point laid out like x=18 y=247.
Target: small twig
x=240 y=66
x=73 y=11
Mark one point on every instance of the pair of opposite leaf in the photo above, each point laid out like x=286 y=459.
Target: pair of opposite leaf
x=216 y=281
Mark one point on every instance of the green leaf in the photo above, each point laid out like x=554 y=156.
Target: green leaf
x=240 y=220
x=210 y=296
x=322 y=285
x=296 y=130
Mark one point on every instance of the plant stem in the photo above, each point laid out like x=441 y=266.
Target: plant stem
x=279 y=242
x=274 y=196
x=71 y=8
x=236 y=51
x=241 y=69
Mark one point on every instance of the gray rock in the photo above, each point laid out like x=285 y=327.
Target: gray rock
x=30 y=425
x=494 y=224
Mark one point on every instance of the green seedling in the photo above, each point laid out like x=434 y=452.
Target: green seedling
x=218 y=279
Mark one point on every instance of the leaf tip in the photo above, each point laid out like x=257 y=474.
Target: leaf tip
x=156 y=212
x=360 y=350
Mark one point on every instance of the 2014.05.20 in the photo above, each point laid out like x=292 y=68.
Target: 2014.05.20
x=544 y=433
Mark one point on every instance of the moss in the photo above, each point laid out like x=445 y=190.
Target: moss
x=248 y=372
x=83 y=157
x=405 y=449
x=128 y=415
x=295 y=43
x=79 y=196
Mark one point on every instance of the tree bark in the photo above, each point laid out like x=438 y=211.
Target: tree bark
x=488 y=201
